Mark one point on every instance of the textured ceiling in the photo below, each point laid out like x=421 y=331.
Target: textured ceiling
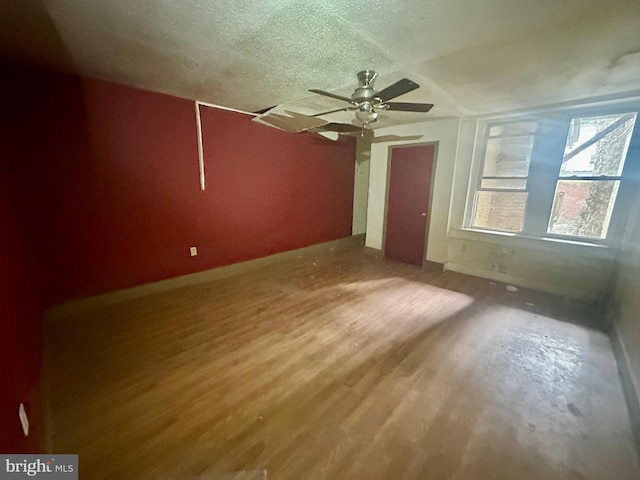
x=469 y=56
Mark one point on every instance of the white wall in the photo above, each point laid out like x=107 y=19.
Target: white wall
x=361 y=185
x=623 y=309
x=570 y=269
x=445 y=132
x=575 y=271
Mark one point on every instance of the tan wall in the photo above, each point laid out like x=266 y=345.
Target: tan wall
x=570 y=269
x=554 y=267
x=443 y=131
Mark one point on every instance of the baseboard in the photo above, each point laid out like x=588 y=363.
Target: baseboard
x=427 y=264
x=562 y=290
x=434 y=266
x=376 y=252
x=630 y=384
x=87 y=304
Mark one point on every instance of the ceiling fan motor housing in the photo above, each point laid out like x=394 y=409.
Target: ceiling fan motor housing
x=365 y=91
x=367 y=77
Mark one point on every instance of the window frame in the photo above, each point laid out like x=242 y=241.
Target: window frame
x=544 y=171
x=481 y=164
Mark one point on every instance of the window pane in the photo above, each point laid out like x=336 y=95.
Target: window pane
x=583 y=208
x=504 y=183
x=507 y=157
x=500 y=210
x=597 y=145
x=516 y=128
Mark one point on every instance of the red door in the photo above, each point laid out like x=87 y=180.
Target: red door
x=411 y=170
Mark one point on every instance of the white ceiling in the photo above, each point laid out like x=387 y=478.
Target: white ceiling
x=469 y=56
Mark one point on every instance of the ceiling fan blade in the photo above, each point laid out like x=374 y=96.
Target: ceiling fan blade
x=332 y=95
x=409 y=107
x=395 y=138
x=292 y=122
x=337 y=127
x=333 y=111
x=399 y=88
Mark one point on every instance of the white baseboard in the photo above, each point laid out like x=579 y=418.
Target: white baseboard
x=557 y=289
x=91 y=303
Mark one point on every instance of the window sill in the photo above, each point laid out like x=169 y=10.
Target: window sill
x=548 y=244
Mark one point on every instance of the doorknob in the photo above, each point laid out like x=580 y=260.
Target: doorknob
x=423 y=214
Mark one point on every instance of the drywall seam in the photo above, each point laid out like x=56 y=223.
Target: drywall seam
x=229 y=109
x=538 y=285
x=199 y=126
x=200 y=149
x=630 y=383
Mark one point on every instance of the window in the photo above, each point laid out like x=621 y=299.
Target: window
x=590 y=175
x=556 y=176
x=502 y=191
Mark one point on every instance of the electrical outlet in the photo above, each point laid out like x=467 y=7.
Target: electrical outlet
x=193 y=251
x=24 y=420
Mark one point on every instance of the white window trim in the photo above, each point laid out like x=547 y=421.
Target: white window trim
x=482 y=124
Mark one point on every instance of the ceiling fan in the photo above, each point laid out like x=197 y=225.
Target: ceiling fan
x=367 y=101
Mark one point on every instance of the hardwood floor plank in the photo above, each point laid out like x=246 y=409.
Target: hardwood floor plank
x=339 y=365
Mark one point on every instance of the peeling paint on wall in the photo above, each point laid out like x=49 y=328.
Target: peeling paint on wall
x=574 y=275
x=499 y=258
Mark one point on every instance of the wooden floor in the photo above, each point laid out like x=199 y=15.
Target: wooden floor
x=339 y=365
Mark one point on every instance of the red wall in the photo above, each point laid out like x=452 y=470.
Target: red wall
x=20 y=340
x=269 y=191
x=124 y=202
x=20 y=303
x=99 y=191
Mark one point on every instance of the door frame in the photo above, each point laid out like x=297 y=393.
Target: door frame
x=390 y=148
